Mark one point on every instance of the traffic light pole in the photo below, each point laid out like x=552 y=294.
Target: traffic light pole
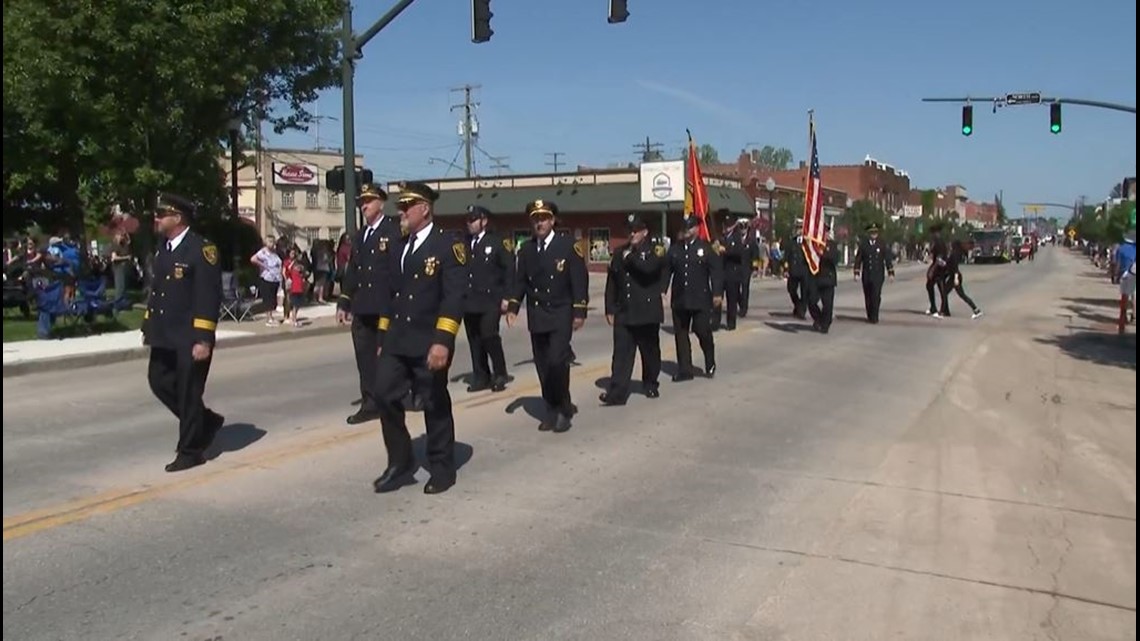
x=1044 y=100
x=351 y=47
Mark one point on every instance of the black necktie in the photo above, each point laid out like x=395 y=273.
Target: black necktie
x=411 y=248
x=367 y=235
x=170 y=245
x=541 y=246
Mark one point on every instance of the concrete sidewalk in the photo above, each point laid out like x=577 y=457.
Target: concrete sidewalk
x=26 y=357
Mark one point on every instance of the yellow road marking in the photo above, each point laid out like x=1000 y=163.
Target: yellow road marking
x=35 y=521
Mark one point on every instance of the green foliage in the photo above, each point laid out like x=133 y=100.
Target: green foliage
x=928 y=201
x=775 y=158
x=1102 y=226
x=109 y=102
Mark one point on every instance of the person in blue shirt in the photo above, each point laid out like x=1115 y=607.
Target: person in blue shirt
x=1126 y=270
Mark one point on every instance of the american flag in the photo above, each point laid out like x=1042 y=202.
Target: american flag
x=814 y=237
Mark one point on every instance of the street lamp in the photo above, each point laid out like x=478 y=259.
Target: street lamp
x=770 y=185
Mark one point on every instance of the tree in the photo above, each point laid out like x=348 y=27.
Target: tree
x=775 y=158
x=110 y=102
x=929 y=199
x=706 y=155
x=1117 y=191
x=1002 y=218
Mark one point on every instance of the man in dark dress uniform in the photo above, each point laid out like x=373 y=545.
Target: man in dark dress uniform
x=696 y=282
x=874 y=261
x=179 y=325
x=634 y=284
x=821 y=286
x=553 y=280
x=734 y=254
x=364 y=292
x=427 y=285
x=491 y=274
x=798 y=273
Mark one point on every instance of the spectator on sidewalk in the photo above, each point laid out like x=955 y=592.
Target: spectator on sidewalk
x=295 y=276
x=121 y=263
x=1126 y=270
x=269 y=265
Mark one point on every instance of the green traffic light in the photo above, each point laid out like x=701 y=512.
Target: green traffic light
x=1055 y=128
x=967 y=130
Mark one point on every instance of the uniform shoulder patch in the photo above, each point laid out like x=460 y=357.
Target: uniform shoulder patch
x=210 y=253
x=509 y=245
x=659 y=250
x=460 y=251
x=580 y=248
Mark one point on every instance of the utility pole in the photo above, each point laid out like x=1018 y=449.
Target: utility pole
x=468 y=126
x=499 y=164
x=554 y=163
x=650 y=151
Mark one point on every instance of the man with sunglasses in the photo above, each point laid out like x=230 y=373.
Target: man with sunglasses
x=426 y=291
x=364 y=292
x=179 y=325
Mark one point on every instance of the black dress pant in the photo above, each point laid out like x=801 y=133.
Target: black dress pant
x=365 y=343
x=797 y=291
x=698 y=321
x=552 y=358
x=733 y=289
x=821 y=305
x=745 y=295
x=955 y=284
x=395 y=375
x=485 y=343
x=934 y=281
x=629 y=340
x=178 y=382
x=872 y=298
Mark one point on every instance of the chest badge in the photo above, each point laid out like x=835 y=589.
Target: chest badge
x=560 y=265
x=431 y=263
x=382 y=244
x=179 y=272
x=701 y=252
x=488 y=250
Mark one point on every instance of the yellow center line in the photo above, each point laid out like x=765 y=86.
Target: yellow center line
x=33 y=521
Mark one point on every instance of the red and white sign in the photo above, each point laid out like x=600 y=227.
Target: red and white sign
x=295 y=175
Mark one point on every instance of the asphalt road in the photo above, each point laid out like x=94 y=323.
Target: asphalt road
x=874 y=483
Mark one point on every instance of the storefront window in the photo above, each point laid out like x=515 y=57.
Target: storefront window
x=599 y=245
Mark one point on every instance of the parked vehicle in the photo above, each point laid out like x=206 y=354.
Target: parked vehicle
x=990 y=246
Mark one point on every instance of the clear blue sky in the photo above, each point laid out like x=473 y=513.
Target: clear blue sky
x=557 y=77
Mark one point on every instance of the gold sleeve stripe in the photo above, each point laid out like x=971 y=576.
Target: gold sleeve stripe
x=383 y=324
x=146 y=314
x=449 y=325
x=581 y=305
x=207 y=325
x=346 y=297
x=512 y=300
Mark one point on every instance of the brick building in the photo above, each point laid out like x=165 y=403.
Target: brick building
x=592 y=204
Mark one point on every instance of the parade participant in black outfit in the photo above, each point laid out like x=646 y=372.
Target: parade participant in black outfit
x=696 y=282
x=551 y=277
x=797 y=268
x=179 y=325
x=821 y=286
x=953 y=280
x=936 y=273
x=737 y=270
x=634 y=285
x=875 y=262
x=364 y=292
x=491 y=274
x=426 y=288
x=751 y=263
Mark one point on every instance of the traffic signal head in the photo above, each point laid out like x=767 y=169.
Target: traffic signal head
x=334 y=179
x=1055 y=117
x=481 y=20
x=618 y=11
x=967 y=120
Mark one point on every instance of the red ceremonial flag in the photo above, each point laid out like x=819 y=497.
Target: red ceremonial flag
x=814 y=236
x=696 y=194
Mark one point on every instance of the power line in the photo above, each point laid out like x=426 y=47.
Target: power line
x=498 y=164
x=554 y=163
x=650 y=151
x=468 y=128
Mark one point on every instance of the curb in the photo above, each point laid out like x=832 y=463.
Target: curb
x=141 y=352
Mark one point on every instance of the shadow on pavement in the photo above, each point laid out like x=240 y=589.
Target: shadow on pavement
x=1097 y=347
x=1091 y=316
x=463 y=452
x=534 y=407
x=790 y=328
x=233 y=438
x=1111 y=303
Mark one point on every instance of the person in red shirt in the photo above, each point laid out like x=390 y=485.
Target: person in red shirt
x=294 y=272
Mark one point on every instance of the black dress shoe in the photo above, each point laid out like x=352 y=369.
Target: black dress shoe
x=653 y=392
x=393 y=479
x=478 y=387
x=185 y=462
x=710 y=371
x=561 y=424
x=681 y=378
x=499 y=384
x=438 y=485
x=609 y=400
x=362 y=417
